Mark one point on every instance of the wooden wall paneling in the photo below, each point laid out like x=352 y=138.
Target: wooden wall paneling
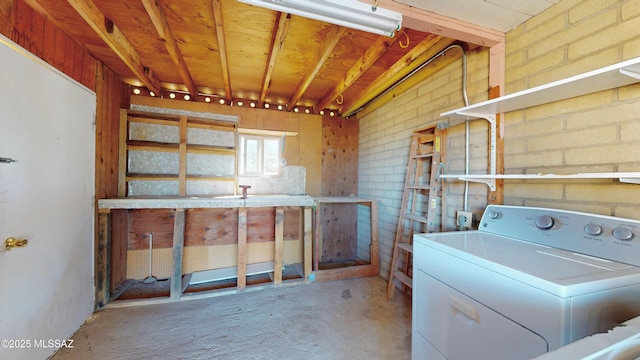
x=340 y=158
x=109 y=92
x=6 y=17
x=157 y=221
x=22 y=25
x=35 y=33
x=38 y=24
x=346 y=270
x=59 y=51
x=210 y=227
x=310 y=151
x=339 y=229
x=178 y=247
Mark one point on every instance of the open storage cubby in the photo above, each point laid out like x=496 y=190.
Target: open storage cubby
x=176 y=154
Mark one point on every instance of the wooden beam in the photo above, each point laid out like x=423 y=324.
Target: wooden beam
x=178 y=248
x=323 y=53
x=102 y=258
x=497 y=196
x=122 y=153
x=277 y=42
x=182 y=175
x=375 y=247
x=427 y=48
x=242 y=248
x=308 y=242
x=426 y=21
x=162 y=27
x=115 y=39
x=373 y=53
x=222 y=45
x=279 y=246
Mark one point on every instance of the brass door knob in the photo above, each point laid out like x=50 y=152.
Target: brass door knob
x=11 y=243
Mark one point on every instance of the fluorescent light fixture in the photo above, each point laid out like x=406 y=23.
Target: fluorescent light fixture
x=348 y=13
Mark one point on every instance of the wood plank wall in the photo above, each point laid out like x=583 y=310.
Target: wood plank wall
x=42 y=38
x=340 y=159
x=111 y=94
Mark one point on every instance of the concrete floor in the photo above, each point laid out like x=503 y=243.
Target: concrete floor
x=346 y=319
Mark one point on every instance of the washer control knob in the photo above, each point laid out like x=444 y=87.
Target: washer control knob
x=623 y=234
x=593 y=229
x=544 y=222
x=493 y=214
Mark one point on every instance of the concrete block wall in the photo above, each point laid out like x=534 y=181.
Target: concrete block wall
x=594 y=133
x=385 y=136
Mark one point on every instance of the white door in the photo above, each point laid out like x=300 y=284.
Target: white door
x=46 y=197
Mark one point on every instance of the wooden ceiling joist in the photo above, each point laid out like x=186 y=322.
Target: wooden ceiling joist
x=321 y=56
x=162 y=27
x=426 y=49
x=222 y=45
x=115 y=39
x=277 y=41
x=426 y=21
x=373 y=53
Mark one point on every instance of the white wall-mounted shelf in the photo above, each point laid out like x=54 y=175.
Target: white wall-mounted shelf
x=627 y=177
x=609 y=77
x=621 y=74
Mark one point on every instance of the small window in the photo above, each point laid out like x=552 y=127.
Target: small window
x=259 y=155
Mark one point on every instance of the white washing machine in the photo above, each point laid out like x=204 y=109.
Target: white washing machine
x=528 y=281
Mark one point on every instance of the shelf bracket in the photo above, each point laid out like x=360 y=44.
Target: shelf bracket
x=630 y=180
x=491 y=118
x=630 y=73
x=491 y=183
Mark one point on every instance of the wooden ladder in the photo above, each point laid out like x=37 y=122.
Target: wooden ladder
x=422 y=188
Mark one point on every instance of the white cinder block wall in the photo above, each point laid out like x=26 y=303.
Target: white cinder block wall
x=594 y=133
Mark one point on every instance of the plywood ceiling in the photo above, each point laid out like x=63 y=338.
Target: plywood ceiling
x=231 y=51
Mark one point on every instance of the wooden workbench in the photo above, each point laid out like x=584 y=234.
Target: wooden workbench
x=179 y=205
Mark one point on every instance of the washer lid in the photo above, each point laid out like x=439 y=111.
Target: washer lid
x=560 y=272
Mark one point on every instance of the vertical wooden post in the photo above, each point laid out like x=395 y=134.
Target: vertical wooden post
x=308 y=242
x=242 y=248
x=178 y=247
x=182 y=176
x=279 y=246
x=318 y=237
x=375 y=252
x=497 y=196
x=102 y=259
x=122 y=153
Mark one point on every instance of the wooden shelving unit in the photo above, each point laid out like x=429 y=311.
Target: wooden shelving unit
x=609 y=77
x=166 y=138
